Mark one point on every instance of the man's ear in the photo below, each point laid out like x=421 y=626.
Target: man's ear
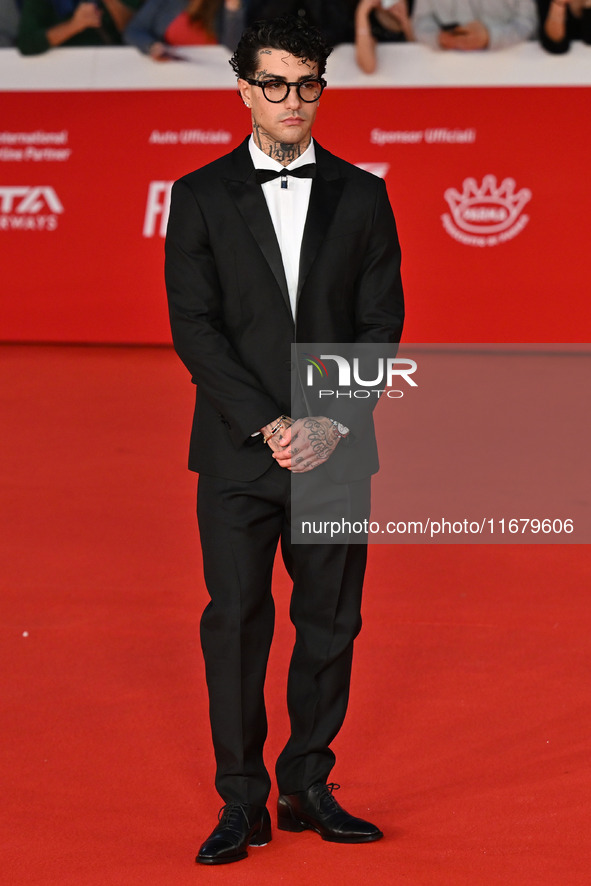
x=244 y=89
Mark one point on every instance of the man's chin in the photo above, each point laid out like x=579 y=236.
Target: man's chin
x=292 y=134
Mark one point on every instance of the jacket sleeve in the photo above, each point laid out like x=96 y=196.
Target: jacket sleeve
x=196 y=319
x=379 y=314
x=36 y=17
x=519 y=27
x=379 y=298
x=425 y=25
x=150 y=22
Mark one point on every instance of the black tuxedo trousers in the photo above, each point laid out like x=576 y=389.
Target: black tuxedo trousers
x=241 y=523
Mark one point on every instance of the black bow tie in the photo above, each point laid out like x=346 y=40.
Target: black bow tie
x=267 y=175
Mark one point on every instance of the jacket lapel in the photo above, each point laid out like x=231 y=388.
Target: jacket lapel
x=326 y=192
x=250 y=201
x=325 y=195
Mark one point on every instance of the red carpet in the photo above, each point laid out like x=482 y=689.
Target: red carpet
x=469 y=733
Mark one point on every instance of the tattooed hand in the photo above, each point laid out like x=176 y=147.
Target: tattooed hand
x=274 y=441
x=308 y=443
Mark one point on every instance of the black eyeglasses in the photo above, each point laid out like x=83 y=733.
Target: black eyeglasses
x=278 y=90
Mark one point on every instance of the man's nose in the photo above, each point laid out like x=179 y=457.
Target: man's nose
x=293 y=100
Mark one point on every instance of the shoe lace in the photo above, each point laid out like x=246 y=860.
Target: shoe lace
x=230 y=811
x=331 y=787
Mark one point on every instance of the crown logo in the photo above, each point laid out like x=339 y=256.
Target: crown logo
x=487 y=209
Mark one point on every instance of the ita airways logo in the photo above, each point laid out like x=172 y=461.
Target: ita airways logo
x=25 y=208
x=486 y=214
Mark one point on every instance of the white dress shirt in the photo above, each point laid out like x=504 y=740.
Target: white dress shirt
x=288 y=208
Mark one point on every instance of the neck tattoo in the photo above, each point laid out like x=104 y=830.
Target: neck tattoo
x=284 y=152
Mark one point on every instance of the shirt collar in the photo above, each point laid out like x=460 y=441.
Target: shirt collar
x=263 y=161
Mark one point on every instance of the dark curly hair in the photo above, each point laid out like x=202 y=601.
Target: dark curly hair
x=291 y=33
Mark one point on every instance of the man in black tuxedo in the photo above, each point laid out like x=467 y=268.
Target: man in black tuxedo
x=276 y=242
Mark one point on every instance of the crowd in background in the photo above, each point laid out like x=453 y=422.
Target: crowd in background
x=156 y=27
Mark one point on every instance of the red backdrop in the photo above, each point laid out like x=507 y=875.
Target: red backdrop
x=77 y=265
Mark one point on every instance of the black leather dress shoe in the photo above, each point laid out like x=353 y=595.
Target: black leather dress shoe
x=240 y=825
x=316 y=809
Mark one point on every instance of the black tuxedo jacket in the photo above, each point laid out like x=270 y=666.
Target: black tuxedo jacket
x=230 y=315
